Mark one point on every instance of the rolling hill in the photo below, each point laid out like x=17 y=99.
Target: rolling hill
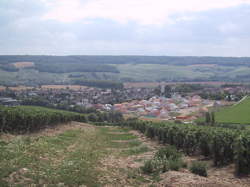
x=34 y=70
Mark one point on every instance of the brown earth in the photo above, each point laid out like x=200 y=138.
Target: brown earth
x=23 y=64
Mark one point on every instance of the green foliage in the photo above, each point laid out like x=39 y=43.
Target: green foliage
x=199 y=168
x=167 y=158
x=242 y=153
x=168 y=153
x=223 y=145
x=149 y=167
x=30 y=118
x=208 y=118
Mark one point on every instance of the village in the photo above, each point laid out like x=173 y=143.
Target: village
x=184 y=103
x=177 y=107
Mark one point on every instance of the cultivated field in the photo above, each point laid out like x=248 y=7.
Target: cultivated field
x=239 y=113
x=81 y=154
x=23 y=64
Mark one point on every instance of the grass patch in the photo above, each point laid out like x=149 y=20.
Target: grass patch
x=128 y=144
x=135 y=151
x=235 y=114
x=124 y=137
x=69 y=158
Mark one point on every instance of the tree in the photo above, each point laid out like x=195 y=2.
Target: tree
x=212 y=118
x=208 y=119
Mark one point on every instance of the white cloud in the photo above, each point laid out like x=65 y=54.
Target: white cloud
x=141 y=11
x=229 y=28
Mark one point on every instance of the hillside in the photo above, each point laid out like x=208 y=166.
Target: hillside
x=239 y=113
x=34 y=70
x=79 y=154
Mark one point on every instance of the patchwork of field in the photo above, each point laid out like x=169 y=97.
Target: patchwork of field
x=128 y=73
x=239 y=113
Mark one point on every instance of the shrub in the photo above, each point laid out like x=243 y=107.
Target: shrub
x=168 y=153
x=167 y=158
x=175 y=165
x=199 y=168
x=148 y=167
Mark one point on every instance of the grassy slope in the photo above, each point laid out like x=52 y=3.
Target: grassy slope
x=72 y=157
x=235 y=114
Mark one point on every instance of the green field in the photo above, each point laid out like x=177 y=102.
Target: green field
x=239 y=113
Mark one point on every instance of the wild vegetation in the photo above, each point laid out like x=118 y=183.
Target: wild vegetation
x=165 y=159
x=223 y=145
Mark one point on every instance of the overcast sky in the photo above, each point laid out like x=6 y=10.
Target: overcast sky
x=125 y=27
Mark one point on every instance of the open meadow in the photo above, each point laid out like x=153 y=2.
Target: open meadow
x=239 y=113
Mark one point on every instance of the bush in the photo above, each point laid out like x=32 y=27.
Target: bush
x=199 y=168
x=165 y=159
x=148 y=167
x=175 y=165
x=168 y=153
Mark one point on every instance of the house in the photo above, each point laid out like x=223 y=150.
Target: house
x=6 y=101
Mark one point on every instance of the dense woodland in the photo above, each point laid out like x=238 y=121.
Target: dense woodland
x=171 y=60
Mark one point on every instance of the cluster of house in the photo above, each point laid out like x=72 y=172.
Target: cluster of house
x=8 y=101
x=87 y=97
x=176 y=107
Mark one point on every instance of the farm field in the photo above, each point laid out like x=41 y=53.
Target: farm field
x=128 y=73
x=81 y=154
x=23 y=64
x=239 y=113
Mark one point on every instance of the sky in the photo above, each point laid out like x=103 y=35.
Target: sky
x=125 y=27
